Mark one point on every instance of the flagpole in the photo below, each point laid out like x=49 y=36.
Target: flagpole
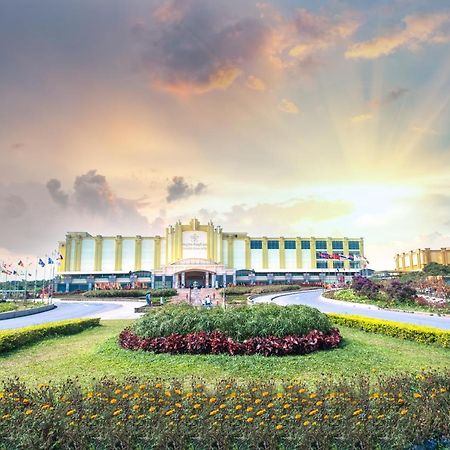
x=35 y=280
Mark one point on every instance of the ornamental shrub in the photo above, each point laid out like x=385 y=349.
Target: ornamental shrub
x=402 y=292
x=423 y=335
x=364 y=286
x=13 y=339
x=389 y=413
x=131 y=293
x=218 y=342
x=238 y=323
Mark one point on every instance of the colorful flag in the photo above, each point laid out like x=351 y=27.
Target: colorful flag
x=41 y=263
x=60 y=257
x=50 y=261
x=20 y=263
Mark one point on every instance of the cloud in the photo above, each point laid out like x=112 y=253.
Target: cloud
x=417 y=30
x=59 y=196
x=12 y=206
x=198 y=51
x=288 y=106
x=179 y=188
x=256 y=83
x=361 y=118
x=392 y=96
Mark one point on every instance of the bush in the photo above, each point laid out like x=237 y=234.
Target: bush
x=402 y=292
x=13 y=339
x=238 y=323
x=131 y=293
x=424 y=335
x=390 y=413
x=366 y=287
x=7 y=307
x=218 y=342
x=255 y=290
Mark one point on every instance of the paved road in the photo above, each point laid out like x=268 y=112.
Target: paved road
x=75 y=310
x=313 y=298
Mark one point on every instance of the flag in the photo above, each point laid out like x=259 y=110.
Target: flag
x=60 y=257
x=20 y=263
x=50 y=261
x=41 y=263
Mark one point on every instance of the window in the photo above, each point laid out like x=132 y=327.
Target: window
x=321 y=245
x=273 y=245
x=354 y=264
x=353 y=245
x=338 y=245
x=319 y=255
x=306 y=245
x=321 y=265
x=338 y=264
x=256 y=245
x=290 y=245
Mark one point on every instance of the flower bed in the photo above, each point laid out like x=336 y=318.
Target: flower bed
x=217 y=342
x=391 y=413
x=13 y=339
x=421 y=334
x=263 y=329
x=125 y=293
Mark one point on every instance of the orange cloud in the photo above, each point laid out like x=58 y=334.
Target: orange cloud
x=221 y=79
x=418 y=30
x=256 y=83
x=288 y=106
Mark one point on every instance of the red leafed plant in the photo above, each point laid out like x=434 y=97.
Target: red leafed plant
x=217 y=342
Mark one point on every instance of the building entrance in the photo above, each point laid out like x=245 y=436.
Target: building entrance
x=194 y=278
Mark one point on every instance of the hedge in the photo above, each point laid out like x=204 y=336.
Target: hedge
x=417 y=333
x=125 y=293
x=254 y=290
x=238 y=323
x=13 y=339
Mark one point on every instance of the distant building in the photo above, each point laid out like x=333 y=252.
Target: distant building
x=204 y=254
x=416 y=260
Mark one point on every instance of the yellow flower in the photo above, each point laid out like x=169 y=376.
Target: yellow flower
x=222 y=406
x=265 y=394
x=238 y=407
x=117 y=391
x=70 y=412
x=193 y=416
x=357 y=412
x=260 y=412
x=6 y=416
x=196 y=406
x=177 y=391
x=141 y=416
x=250 y=420
x=178 y=405
x=170 y=412
x=337 y=416
x=214 y=412
x=319 y=403
x=117 y=412
x=283 y=416
x=237 y=416
x=125 y=395
x=249 y=409
x=270 y=405
x=28 y=412
x=279 y=427
x=258 y=401
x=286 y=406
x=403 y=412
x=46 y=406
x=151 y=409
x=253 y=389
x=301 y=391
x=313 y=395
x=94 y=416
x=167 y=394
x=313 y=412
x=128 y=387
x=135 y=407
x=212 y=399
x=381 y=416
x=113 y=401
x=297 y=416
x=142 y=387
x=417 y=395
x=158 y=385
x=306 y=423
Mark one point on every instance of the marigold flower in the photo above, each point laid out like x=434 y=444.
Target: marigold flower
x=136 y=407
x=257 y=401
x=128 y=387
x=250 y=420
x=151 y=409
x=193 y=416
x=212 y=399
x=286 y=406
x=28 y=412
x=270 y=405
x=319 y=403
x=283 y=416
x=313 y=412
x=117 y=391
x=260 y=412
x=357 y=412
x=141 y=416
x=170 y=412
x=417 y=395
x=306 y=423
x=113 y=401
x=46 y=406
x=117 y=412
x=403 y=412
x=70 y=412
x=178 y=405
x=265 y=394
x=279 y=427
x=94 y=416
x=158 y=385
x=381 y=416
x=6 y=416
x=167 y=394
x=213 y=412
x=297 y=416
x=238 y=407
x=249 y=409
x=196 y=406
x=302 y=391
x=222 y=406
x=142 y=387
x=313 y=395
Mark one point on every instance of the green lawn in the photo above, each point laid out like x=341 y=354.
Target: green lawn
x=94 y=353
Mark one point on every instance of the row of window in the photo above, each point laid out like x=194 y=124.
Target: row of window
x=289 y=244
x=337 y=265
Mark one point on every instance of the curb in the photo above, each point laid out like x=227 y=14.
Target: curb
x=280 y=294
x=26 y=312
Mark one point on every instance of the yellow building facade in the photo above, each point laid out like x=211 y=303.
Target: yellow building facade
x=204 y=253
x=416 y=260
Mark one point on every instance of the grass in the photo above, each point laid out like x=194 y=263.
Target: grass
x=95 y=354
x=19 y=306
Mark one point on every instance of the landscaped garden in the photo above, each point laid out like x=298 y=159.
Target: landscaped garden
x=395 y=294
x=19 y=306
x=369 y=391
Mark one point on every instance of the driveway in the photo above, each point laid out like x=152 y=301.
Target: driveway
x=314 y=298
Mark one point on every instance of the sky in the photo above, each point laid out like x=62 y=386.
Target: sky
x=281 y=118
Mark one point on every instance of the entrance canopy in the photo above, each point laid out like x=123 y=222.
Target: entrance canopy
x=194 y=264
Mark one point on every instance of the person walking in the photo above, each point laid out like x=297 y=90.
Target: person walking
x=148 y=298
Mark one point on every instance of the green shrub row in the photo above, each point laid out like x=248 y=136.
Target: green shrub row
x=392 y=413
x=254 y=290
x=417 y=333
x=13 y=339
x=7 y=307
x=131 y=293
x=239 y=323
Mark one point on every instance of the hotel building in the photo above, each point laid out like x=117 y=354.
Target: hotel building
x=205 y=254
x=416 y=260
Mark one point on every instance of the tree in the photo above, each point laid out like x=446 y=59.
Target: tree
x=436 y=269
